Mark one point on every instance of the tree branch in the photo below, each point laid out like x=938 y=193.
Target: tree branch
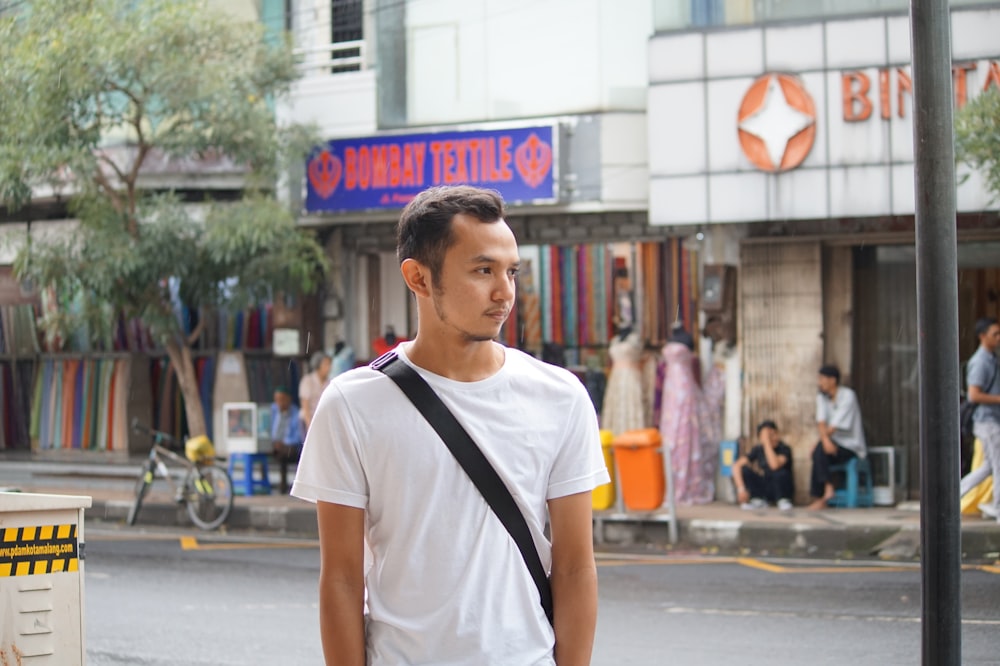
x=196 y=333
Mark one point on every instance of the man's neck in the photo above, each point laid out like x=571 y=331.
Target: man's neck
x=468 y=362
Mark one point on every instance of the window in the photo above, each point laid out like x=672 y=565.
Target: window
x=346 y=27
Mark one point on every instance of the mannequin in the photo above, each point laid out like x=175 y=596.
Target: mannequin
x=683 y=423
x=623 y=403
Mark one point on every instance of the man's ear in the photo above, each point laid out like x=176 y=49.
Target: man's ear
x=416 y=276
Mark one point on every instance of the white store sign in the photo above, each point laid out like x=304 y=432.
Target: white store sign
x=805 y=121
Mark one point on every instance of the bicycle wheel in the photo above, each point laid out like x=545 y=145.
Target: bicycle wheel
x=208 y=493
x=142 y=485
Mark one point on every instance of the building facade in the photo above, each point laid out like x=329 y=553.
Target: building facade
x=789 y=141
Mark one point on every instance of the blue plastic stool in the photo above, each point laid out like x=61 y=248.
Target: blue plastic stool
x=859 y=490
x=245 y=483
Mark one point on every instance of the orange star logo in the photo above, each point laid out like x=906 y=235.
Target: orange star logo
x=777 y=123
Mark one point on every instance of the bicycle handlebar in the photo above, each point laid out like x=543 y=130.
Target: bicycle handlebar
x=157 y=435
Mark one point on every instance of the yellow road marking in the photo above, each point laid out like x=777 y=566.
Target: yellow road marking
x=191 y=543
x=770 y=567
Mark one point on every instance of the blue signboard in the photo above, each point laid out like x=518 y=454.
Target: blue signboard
x=388 y=171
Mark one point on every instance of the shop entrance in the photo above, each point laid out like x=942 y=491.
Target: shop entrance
x=885 y=364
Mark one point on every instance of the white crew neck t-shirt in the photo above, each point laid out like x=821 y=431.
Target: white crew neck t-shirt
x=447 y=584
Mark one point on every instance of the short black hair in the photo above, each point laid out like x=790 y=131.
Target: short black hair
x=424 y=230
x=281 y=388
x=983 y=324
x=766 y=424
x=831 y=371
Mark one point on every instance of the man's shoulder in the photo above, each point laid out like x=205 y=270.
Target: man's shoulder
x=526 y=366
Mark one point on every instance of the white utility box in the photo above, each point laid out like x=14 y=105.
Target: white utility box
x=41 y=579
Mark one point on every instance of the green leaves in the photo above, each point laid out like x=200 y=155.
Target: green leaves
x=96 y=91
x=977 y=137
x=165 y=76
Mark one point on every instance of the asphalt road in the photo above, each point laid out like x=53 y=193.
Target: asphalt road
x=172 y=598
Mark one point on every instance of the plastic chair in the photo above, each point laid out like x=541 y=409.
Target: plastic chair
x=245 y=483
x=859 y=489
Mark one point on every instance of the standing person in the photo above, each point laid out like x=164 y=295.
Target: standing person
x=841 y=433
x=765 y=473
x=983 y=384
x=312 y=385
x=448 y=585
x=286 y=432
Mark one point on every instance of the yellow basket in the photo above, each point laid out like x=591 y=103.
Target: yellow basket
x=199 y=449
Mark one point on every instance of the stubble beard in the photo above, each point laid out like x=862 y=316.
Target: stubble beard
x=467 y=336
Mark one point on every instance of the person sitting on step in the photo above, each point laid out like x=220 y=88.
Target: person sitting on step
x=287 y=432
x=765 y=473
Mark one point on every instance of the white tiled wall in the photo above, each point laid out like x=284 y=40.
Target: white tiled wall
x=734 y=197
x=681 y=200
x=799 y=194
x=736 y=53
x=676 y=58
x=978 y=34
x=860 y=191
x=677 y=129
x=724 y=97
x=855 y=43
x=853 y=169
x=794 y=48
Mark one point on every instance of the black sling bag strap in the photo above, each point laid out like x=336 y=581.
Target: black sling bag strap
x=475 y=464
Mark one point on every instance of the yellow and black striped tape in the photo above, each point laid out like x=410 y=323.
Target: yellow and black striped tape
x=30 y=551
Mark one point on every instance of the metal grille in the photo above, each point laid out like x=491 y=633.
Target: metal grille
x=346 y=25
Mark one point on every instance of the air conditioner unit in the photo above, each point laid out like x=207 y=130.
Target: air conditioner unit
x=883 y=465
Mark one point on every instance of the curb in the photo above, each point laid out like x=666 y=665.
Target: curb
x=979 y=543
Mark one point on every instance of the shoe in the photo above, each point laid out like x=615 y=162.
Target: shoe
x=754 y=503
x=785 y=504
x=988 y=511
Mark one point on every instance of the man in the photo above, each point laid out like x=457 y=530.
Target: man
x=765 y=474
x=983 y=382
x=841 y=433
x=286 y=432
x=447 y=584
x=311 y=386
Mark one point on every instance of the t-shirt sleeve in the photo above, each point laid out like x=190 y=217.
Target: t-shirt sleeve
x=579 y=464
x=331 y=466
x=844 y=414
x=980 y=373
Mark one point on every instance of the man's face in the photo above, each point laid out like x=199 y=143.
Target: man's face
x=991 y=338
x=768 y=436
x=282 y=400
x=826 y=384
x=324 y=366
x=475 y=290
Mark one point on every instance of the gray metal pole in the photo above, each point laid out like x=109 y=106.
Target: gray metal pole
x=937 y=315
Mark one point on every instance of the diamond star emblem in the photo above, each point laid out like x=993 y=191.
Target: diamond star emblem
x=777 y=123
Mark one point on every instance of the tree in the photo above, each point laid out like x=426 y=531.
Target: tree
x=977 y=137
x=95 y=92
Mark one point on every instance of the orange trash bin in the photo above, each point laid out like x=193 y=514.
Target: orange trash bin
x=604 y=496
x=640 y=468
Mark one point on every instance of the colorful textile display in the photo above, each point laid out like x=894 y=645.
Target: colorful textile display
x=80 y=404
x=16 y=378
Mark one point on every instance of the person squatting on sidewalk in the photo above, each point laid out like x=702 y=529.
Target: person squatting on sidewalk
x=765 y=473
x=983 y=386
x=841 y=432
x=447 y=584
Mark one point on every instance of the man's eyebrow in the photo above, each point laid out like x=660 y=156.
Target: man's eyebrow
x=486 y=259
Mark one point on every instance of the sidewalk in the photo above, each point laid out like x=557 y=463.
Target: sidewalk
x=882 y=532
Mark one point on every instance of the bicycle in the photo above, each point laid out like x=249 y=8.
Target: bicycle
x=206 y=490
